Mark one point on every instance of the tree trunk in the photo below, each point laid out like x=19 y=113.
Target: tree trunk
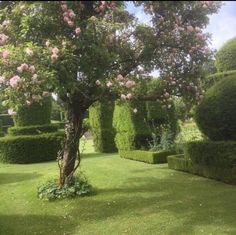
x=73 y=132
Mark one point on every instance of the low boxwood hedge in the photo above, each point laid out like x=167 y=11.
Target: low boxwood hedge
x=215 y=160
x=33 y=130
x=146 y=156
x=30 y=149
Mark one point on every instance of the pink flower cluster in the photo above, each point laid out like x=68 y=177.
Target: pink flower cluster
x=14 y=80
x=5 y=54
x=3 y=38
x=25 y=67
x=54 y=55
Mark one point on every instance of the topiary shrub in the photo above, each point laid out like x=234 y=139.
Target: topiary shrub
x=215 y=116
x=35 y=114
x=132 y=132
x=226 y=56
x=30 y=149
x=100 y=122
x=33 y=130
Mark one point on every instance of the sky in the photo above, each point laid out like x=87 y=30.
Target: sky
x=222 y=25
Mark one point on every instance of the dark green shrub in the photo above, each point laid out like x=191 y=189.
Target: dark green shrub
x=30 y=149
x=146 y=156
x=212 y=79
x=51 y=190
x=215 y=116
x=35 y=114
x=6 y=119
x=212 y=153
x=33 y=130
x=100 y=120
x=132 y=131
x=1 y=132
x=226 y=56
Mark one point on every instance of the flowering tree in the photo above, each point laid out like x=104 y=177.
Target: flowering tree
x=86 y=51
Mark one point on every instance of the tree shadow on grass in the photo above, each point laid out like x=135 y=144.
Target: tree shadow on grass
x=192 y=203
x=8 y=178
x=35 y=224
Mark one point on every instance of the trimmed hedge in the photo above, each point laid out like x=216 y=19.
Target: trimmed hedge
x=215 y=116
x=146 y=156
x=132 y=132
x=6 y=120
x=30 y=149
x=35 y=114
x=100 y=121
x=226 y=56
x=33 y=130
x=214 y=78
x=212 y=153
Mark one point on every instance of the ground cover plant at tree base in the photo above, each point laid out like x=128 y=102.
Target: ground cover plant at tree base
x=91 y=53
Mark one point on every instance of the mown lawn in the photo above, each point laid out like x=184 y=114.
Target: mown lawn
x=132 y=198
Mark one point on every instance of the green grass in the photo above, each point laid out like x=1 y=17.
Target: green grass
x=132 y=198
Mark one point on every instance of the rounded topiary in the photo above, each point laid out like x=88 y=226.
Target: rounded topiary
x=35 y=114
x=215 y=116
x=226 y=56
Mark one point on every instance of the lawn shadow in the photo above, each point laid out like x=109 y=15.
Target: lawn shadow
x=35 y=224
x=189 y=201
x=8 y=178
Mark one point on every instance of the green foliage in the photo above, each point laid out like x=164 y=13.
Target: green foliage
x=226 y=56
x=30 y=149
x=132 y=132
x=51 y=190
x=1 y=132
x=100 y=120
x=215 y=116
x=6 y=119
x=211 y=159
x=57 y=113
x=211 y=153
x=146 y=156
x=214 y=78
x=35 y=114
x=32 y=130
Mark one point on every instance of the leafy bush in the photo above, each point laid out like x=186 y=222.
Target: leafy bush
x=146 y=156
x=1 y=132
x=212 y=153
x=35 y=114
x=212 y=79
x=30 y=149
x=51 y=191
x=32 y=130
x=100 y=120
x=226 y=56
x=215 y=116
x=132 y=132
x=6 y=119
x=57 y=113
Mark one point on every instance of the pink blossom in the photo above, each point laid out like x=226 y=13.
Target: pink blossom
x=3 y=38
x=5 y=54
x=66 y=19
x=11 y=112
x=2 y=80
x=71 y=14
x=64 y=7
x=119 y=77
x=19 y=69
x=54 y=57
x=98 y=83
x=32 y=69
x=190 y=28
x=109 y=84
x=14 y=80
x=47 y=43
x=46 y=94
x=70 y=23
x=197 y=29
x=129 y=96
x=200 y=36
x=130 y=84
x=123 y=97
x=34 y=80
x=35 y=76
x=55 y=50
x=24 y=67
x=29 y=52
x=135 y=110
x=77 y=31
